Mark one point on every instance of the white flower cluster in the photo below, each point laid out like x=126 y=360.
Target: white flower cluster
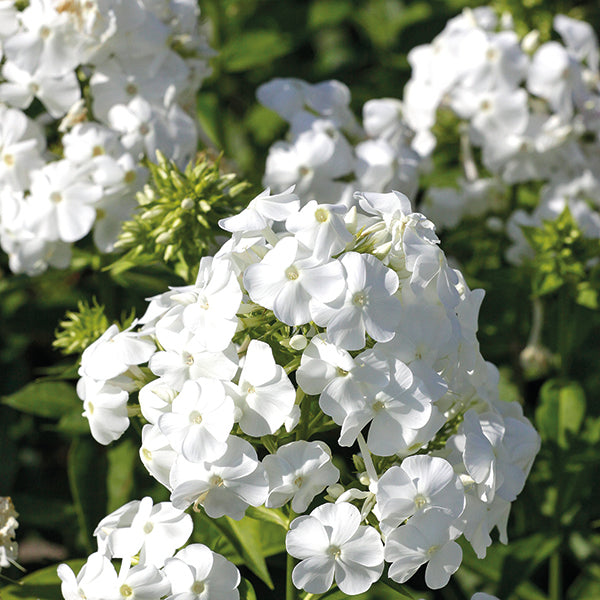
x=8 y=523
x=146 y=537
x=318 y=319
x=329 y=155
x=532 y=111
x=87 y=88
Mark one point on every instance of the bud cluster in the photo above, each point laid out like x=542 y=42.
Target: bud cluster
x=178 y=215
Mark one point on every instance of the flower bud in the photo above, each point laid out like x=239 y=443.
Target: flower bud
x=536 y=360
x=298 y=342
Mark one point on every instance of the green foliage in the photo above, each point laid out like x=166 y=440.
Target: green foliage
x=43 y=584
x=87 y=469
x=178 y=215
x=254 y=49
x=44 y=398
x=246 y=590
x=561 y=411
x=122 y=459
x=539 y=14
x=564 y=256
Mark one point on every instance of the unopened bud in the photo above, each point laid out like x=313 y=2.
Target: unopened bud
x=334 y=492
x=169 y=252
x=364 y=479
x=298 y=342
x=187 y=204
x=152 y=213
x=536 y=360
x=164 y=238
x=531 y=41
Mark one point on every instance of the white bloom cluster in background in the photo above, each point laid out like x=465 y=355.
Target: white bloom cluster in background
x=329 y=155
x=530 y=109
x=317 y=331
x=146 y=536
x=87 y=89
x=8 y=523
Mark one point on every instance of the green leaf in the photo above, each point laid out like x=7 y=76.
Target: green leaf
x=87 y=472
x=246 y=590
x=524 y=557
x=73 y=423
x=587 y=296
x=122 y=459
x=43 y=398
x=561 y=411
x=254 y=49
x=268 y=515
x=397 y=587
x=41 y=585
x=245 y=536
x=587 y=584
x=489 y=570
x=327 y=13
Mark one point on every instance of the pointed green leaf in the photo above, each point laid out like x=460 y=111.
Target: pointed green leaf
x=87 y=473
x=561 y=411
x=268 y=515
x=122 y=459
x=245 y=537
x=255 y=48
x=246 y=590
x=524 y=557
x=40 y=585
x=45 y=398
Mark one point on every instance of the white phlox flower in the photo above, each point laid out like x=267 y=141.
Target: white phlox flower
x=21 y=147
x=114 y=352
x=298 y=472
x=392 y=412
x=212 y=317
x=8 y=523
x=154 y=531
x=422 y=483
x=156 y=454
x=261 y=211
x=61 y=202
x=105 y=408
x=367 y=306
x=264 y=396
x=332 y=544
x=425 y=540
x=200 y=420
x=156 y=399
x=96 y=580
x=226 y=486
x=320 y=227
x=56 y=92
x=289 y=277
x=197 y=573
x=189 y=360
x=143 y=581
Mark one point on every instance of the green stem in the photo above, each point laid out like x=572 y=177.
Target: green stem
x=537 y=321
x=303 y=429
x=555 y=577
x=290 y=589
x=564 y=330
